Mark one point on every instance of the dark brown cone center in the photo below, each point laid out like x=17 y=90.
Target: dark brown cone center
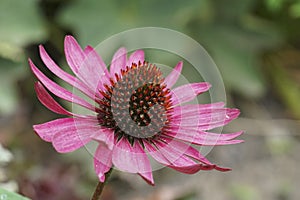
x=136 y=104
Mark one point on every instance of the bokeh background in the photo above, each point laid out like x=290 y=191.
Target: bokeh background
x=256 y=46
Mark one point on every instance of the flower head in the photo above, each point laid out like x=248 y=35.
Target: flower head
x=136 y=112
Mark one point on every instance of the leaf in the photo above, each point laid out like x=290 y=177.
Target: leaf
x=9 y=72
x=21 y=22
x=274 y=5
x=295 y=10
x=94 y=21
x=235 y=56
x=6 y=195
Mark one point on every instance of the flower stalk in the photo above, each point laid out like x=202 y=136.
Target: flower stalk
x=100 y=186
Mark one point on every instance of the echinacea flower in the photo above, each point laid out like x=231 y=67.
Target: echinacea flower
x=135 y=113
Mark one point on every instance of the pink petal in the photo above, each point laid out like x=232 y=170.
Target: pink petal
x=196 y=108
x=184 y=149
x=171 y=79
x=192 y=169
x=168 y=155
x=174 y=151
x=74 y=54
x=87 y=65
x=47 y=100
x=58 y=90
x=74 y=133
x=195 y=154
x=198 y=137
x=156 y=154
x=93 y=70
x=68 y=134
x=204 y=119
x=102 y=161
x=132 y=159
x=188 y=92
x=118 y=62
x=107 y=137
x=177 y=151
x=135 y=57
x=52 y=66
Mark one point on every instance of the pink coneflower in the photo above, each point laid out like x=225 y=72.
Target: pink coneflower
x=135 y=113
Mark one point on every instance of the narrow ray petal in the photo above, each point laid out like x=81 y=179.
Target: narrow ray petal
x=183 y=163
x=47 y=100
x=118 y=62
x=169 y=156
x=106 y=136
x=54 y=68
x=58 y=90
x=135 y=57
x=184 y=149
x=93 y=70
x=47 y=130
x=74 y=133
x=192 y=169
x=188 y=92
x=87 y=65
x=196 y=108
x=171 y=79
x=74 y=54
x=205 y=119
x=102 y=161
x=195 y=136
x=132 y=159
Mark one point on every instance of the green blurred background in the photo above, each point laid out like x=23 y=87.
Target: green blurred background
x=256 y=46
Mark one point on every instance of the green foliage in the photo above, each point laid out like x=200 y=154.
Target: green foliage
x=233 y=37
x=97 y=20
x=20 y=22
x=235 y=40
x=9 y=73
x=235 y=33
x=244 y=192
x=21 y=25
x=6 y=195
x=295 y=10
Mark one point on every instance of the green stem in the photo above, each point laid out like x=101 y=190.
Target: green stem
x=100 y=186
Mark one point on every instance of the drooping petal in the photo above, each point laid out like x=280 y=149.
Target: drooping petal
x=166 y=155
x=75 y=133
x=188 y=92
x=172 y=149
x=52 y=66
x=118 y=62
x=58 y=90
x=132 y=159
x=174 y=152
x=192 y=169
x=46 y=99
x=171 y=79
x=106 y=136
x=136 y=57
x=102 y=161
x=184 y=149
x=169 y=155
x=156 y=154
x=198 y=137
x=68 y=134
